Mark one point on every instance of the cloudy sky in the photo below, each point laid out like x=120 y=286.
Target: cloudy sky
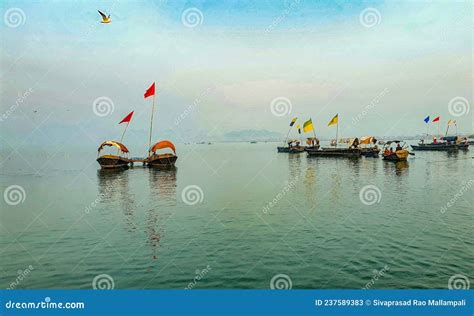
x=221 y=66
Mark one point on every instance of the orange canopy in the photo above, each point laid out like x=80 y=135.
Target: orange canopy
x=120 y=146
x=367 y=140
x=163 y=144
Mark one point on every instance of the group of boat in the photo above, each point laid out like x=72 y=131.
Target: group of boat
x=120 y=160
x=368 y=146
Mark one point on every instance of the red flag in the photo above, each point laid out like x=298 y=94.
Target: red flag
x=436 y=119
x=127 y=118
x=150 y=91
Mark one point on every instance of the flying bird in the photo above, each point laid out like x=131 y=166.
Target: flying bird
x=105 y=19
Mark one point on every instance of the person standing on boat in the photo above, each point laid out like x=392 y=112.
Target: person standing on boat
x=399 y=147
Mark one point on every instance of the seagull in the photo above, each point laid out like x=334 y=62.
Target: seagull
x=105 y=19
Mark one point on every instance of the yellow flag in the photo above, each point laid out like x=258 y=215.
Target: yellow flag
x=452 y=122
x=334 y=120
x=308 y=126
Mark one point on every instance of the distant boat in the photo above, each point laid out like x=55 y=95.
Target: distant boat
x=166 y=160
x=399 y=154
x=447 y=143
x=113 y=161
x=253 y=142
x=352 y=151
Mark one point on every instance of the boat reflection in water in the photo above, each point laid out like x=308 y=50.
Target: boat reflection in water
x=398 y=168
x=163 y=193
x=114 y=187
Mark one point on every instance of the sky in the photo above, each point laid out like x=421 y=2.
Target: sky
x=222 y=66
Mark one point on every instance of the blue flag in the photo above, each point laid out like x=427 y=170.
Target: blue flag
x=427 y=119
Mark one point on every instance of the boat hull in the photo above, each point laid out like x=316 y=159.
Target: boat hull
x=370 y=152
x=440 y=147
x=164 y=161
x=291 y=150
x=112 y=162
x=399 y=155
x=334 y=152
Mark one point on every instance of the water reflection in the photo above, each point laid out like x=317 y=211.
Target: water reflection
x=114 y=187
x=399 y=168
x=294 y=161
x=163 y=184
x=163 y=191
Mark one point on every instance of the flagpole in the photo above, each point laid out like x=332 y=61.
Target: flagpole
x=337 y=130
x=288 y=134
x=123 y=134
x=151 y=124
x=447 y=128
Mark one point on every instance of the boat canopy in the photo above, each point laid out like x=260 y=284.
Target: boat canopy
x=367 y=140
x=353 y=142
x=450 y=138
x=113 y=143
x=312 y=140
x=163 y=144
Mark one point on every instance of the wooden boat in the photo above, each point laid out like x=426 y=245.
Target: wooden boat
x=447 y=143
x=164 y=161
x=334 y=152
x=113 y=161
x=372 y=151
x=292 y=148
x=399 y=154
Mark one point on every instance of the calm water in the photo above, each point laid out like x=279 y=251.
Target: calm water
x=261 y=214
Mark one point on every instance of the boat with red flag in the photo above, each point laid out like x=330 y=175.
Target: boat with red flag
x=165 y=160
x=108 y=161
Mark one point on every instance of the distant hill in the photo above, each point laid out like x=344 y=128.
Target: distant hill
x=252 y=135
